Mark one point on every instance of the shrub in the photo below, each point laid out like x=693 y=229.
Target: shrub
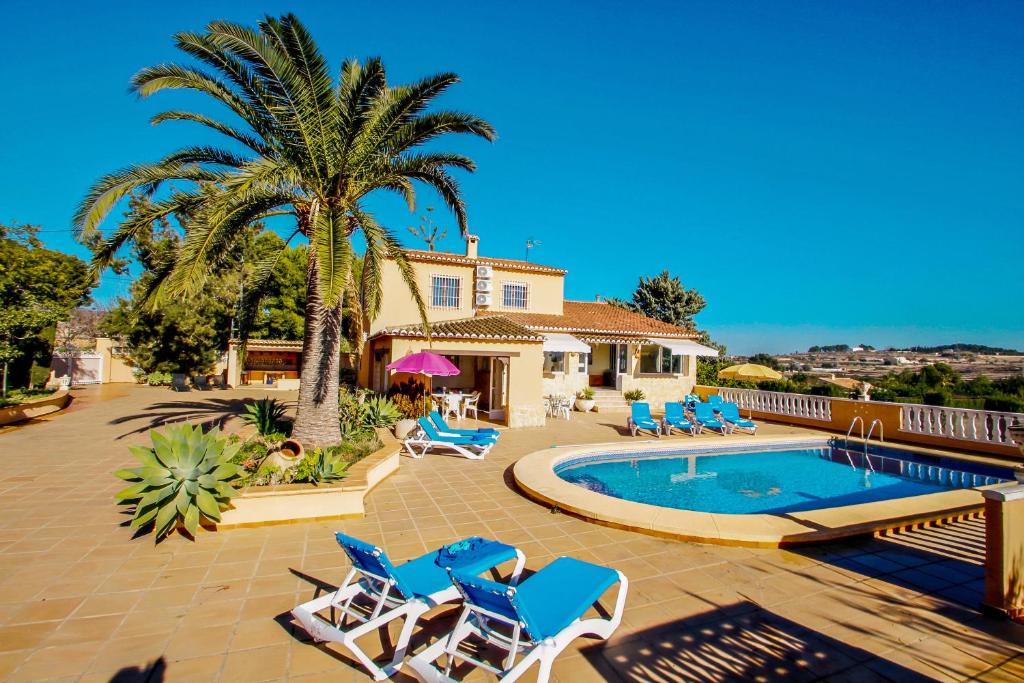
x=935 y=398
x=158 y=379
x=1005 y=403
x=380 y=411
x=586 y=393
x=185 y=477
x=267 y=415
x=634 y=395
x=326 y=464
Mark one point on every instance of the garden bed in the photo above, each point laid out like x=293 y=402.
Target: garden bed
x=34 y=407
x=286 y=503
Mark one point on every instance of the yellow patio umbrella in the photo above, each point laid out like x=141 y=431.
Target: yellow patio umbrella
x=750 y=372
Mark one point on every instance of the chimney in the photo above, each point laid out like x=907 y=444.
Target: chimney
x=472 y=242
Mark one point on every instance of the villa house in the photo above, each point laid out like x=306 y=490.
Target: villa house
x=507 y=326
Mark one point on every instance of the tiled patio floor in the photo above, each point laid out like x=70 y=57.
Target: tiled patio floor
x=81 y=600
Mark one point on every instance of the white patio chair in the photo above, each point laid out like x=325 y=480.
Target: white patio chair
x=471 y=403
x=452 y=406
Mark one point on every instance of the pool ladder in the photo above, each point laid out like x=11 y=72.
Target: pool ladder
x=871 y=430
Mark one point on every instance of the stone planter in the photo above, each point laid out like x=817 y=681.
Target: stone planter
x=585 y=405
x=403 y=428
x=259 y=505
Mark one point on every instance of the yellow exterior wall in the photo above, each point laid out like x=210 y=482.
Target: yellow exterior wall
x=659 y=388
x=546 y=293
x=526 y=359
x=115 y=368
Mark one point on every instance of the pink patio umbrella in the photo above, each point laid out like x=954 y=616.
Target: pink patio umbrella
x=424 y=363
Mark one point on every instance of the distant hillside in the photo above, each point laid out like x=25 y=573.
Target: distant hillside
x=969 y=348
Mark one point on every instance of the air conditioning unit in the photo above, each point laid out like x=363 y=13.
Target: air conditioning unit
x=483 y=300
x=484 y=272
x=484 y=286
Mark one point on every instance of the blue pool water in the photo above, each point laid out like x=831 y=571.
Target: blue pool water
x=801 y=477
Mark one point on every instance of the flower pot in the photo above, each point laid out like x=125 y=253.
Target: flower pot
x=403 y=428
x=288 y=454
x=585 y=405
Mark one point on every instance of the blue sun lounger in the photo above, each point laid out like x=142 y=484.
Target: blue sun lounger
x=427 y=437
x=730 y=412
x=533 y=622
x=676 y=418
x=714 y=399
x=376 y=592
x=640 y=418
x=444 y=429
x=705 y=416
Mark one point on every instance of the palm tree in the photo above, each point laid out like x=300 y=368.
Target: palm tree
x=309 y=148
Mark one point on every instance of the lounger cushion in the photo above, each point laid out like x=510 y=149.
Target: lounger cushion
x=425 y=575
x=561 y=593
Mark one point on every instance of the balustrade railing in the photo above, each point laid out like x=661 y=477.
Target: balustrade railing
x=980 y=426
x=956 y=424
x=780 y=403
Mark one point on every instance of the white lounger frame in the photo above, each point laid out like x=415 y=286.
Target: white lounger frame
x=543 y=652
x=386 y=608
x=471 y=451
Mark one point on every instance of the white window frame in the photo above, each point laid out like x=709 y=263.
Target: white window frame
x=675 y=368
x=445 y=301
x=509 y=285
x=583 y=363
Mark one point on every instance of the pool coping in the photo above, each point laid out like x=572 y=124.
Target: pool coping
x=535 y=476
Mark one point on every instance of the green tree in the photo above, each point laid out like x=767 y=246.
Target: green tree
x=38 y=287
x=314 y=150
x=664 y=298
x=764 y=359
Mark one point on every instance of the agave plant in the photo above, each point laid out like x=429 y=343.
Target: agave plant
x=325 y=465
x=185 y=477
x=267 y=415
x=380 y=411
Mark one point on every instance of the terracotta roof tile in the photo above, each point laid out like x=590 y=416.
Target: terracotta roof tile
x=486 y=327
x=462 y=259
x=597 y=317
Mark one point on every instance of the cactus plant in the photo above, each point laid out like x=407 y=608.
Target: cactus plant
x=185 y=477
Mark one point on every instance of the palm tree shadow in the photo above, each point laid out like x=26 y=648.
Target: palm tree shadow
x=150 y=673
x=737 y=642
x=207 y=412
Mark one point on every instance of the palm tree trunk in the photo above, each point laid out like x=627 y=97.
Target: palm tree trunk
x=316 y=423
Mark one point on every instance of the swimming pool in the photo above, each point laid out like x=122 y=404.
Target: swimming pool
x=773 y=480
x=764 y=491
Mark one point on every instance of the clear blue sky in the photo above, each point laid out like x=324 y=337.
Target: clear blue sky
x=823 y=172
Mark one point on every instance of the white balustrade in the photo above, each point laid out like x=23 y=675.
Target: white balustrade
x=780 y=403
x=964 y=424
x=956 y=424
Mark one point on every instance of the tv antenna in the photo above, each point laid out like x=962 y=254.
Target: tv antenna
x=530 y=244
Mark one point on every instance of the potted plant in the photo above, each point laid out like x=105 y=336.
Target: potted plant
x=634 y=395
x=585 y=400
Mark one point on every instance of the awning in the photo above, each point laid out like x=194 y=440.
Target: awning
x=565 y=343
x=684 y=347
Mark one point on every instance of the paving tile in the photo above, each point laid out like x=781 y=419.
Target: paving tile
x=899 y=608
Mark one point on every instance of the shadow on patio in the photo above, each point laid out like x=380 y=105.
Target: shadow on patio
x=208 y=412
x=739 y=642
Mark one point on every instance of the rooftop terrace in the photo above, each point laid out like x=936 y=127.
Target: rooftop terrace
x=80 y=600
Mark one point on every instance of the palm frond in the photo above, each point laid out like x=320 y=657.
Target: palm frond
x=248 y=140
x=111 y=188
